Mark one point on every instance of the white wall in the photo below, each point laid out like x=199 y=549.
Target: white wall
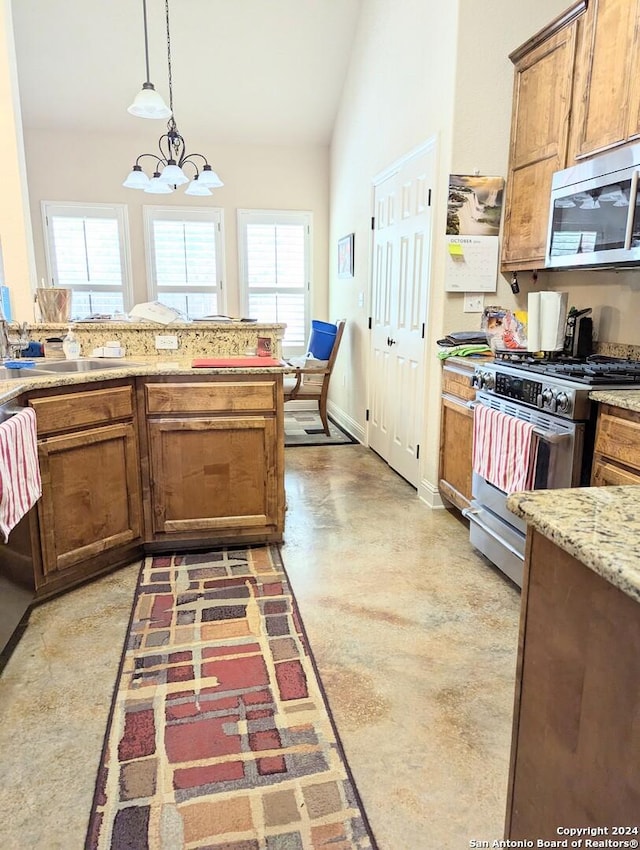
x=15 y=236
x=91 y=168
x=419 y=69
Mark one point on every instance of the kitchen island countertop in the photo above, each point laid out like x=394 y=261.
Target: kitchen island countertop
x=131 y=367
x=627 y=399
x=600 y=526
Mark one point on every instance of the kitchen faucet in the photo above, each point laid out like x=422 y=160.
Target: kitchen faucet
x=10 y=346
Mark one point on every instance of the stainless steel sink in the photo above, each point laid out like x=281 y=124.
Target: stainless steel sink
x=80 y=365
x=14 y=374
x=57 y=367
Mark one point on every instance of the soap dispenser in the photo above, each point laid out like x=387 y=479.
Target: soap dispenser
x=71 y=345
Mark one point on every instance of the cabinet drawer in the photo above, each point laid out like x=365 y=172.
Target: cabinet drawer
x=79 y=410
x=606 y=474
x=211 y=397
x=618 y=436
x=457 y=383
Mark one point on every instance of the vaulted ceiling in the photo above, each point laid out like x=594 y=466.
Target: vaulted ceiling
x=244 y=71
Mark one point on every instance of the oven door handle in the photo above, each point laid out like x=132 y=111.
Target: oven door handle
x=472 y=514
x=551 y=436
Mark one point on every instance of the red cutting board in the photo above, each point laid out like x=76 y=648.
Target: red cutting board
x=237 y=362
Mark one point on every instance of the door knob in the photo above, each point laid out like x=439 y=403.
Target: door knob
x=390 y=341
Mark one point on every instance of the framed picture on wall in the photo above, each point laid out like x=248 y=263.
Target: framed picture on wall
x=345 y=256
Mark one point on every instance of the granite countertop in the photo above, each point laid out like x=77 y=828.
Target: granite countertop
x=600 y=526
x=131 y=367
x=628 y=399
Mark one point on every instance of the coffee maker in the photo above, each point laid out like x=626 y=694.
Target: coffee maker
x=578 y=340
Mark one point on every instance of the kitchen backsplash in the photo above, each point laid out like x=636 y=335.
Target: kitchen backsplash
x=194 y=339
x=616 y=349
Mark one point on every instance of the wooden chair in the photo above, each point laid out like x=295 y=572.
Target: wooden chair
x=296 y=388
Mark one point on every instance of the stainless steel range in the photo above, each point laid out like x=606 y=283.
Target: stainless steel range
x=553 y=396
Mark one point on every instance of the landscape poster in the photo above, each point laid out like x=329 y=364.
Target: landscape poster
x=475 y=205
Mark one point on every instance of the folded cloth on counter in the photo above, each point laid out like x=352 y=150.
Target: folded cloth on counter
x=504 y=449
x=464 y=351
x=20 y=482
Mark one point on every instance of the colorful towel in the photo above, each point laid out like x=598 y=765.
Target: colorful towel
x=503 y=449
x=20 y=483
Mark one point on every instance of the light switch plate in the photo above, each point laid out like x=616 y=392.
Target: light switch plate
x=166 y=341
x=473 y=303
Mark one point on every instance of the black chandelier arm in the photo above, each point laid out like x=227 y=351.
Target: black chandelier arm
x=187 y=159
x=158 y=160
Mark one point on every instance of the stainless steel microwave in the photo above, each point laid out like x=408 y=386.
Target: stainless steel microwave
x=594 y=219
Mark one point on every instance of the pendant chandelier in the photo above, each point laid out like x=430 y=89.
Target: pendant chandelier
x=168 y=166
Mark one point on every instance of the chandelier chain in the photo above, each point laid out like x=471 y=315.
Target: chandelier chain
x=166 y=11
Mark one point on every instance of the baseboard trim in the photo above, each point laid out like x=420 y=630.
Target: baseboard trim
x=430 y=495
x=345 y=422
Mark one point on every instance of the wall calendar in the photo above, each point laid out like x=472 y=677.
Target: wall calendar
x=471 y=264
x=474 y=209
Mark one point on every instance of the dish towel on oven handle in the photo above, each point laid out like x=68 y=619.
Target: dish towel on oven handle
x=20 y=482
x=504 y=449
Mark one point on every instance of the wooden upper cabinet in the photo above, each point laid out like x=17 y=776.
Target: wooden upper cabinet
x=607 y=99
x=543 y=87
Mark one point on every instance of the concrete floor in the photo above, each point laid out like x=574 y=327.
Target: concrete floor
x=413 y=633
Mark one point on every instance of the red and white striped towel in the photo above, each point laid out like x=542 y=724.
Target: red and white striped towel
x=20 y=483
x=503 y=449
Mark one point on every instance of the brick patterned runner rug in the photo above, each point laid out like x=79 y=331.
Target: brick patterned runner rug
x=219 y=736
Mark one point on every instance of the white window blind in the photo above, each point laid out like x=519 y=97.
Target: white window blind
x=184 y=251
x=87 y=252
x=275 y=271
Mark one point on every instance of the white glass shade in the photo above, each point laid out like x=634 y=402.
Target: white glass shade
x=196 y=188
x=137 y=179
x=209 y=178
x=173 y=175
x=157 y=187
x=149 y=104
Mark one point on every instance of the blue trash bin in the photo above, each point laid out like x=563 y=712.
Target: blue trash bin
x=323 y=335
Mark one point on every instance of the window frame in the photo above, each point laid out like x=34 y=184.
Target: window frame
x=152 y=212
x=81 y=209
x=261 y=216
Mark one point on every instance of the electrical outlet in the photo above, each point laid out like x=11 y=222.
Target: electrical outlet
x=166 y=341
x=473 y=303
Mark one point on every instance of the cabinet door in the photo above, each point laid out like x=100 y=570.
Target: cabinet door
x=214 y=475
x=456 y=445
x=607 y=474
x=576 y=737
x=618 y=435
x=539 y=138
x=91 y=500
x=609 y=111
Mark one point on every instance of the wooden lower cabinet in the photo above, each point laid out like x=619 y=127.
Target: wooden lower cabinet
x=213 y=476
x=616 y=459
x=575 y=747
x=456 y=434
x=150 y=464
x=90 y=511
x=213 y=460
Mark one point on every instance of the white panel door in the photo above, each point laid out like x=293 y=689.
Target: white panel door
x=401 y=261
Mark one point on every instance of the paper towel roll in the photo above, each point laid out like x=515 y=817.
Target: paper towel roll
x=553 y=320
x=533 y=321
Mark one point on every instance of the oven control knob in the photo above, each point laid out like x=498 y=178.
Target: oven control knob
x=489 y=381
x=562 y=402
x=548 y=399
